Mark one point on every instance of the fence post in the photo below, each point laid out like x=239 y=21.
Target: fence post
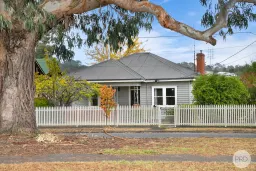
x=175 y=116
x=159 y=117
x=117 y=115
x=225 y=115
x=37 y=108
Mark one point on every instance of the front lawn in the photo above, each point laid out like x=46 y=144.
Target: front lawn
x=124 y=166
x=195 y=146
x=28 y=146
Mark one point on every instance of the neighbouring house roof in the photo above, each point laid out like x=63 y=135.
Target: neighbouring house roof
x=42 y=65
x=140 y=66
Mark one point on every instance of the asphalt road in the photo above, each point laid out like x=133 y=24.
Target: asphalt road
x=169 y=135
x=100 y=157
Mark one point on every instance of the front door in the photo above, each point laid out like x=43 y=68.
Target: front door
x=135 y=95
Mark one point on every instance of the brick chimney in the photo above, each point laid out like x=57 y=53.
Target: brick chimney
x=200 y=61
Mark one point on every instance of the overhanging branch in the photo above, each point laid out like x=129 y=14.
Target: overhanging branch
x=61 y=8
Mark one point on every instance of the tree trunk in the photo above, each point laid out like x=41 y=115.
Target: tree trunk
x=17 y=114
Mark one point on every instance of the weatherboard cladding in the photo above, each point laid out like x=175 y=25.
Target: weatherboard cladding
x=140 y=66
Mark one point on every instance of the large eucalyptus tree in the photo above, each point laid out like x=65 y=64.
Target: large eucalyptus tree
x=24 y=22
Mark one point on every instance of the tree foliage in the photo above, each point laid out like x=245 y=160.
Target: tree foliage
x=102 y=52
x=61 y=89
x=219 y=90
x=237 y=17
x=107 y=102
x=115 y=22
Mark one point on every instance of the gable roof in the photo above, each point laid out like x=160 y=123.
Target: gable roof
x=43 y=65
x=151 y=66
x=139 y=66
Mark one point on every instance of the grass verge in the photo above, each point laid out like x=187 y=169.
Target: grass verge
x=195 y=146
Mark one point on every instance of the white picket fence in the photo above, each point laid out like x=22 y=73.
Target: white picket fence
x=215 y=115
x=90 y=115
x=189 y=115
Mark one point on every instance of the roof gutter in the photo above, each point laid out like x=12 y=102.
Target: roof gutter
x=140 y=81
x=191 y=79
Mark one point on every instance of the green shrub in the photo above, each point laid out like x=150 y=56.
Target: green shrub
x=169 y=111
x=41 y=102
x=219 y=90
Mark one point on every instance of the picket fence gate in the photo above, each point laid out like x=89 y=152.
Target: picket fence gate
x=183 y=115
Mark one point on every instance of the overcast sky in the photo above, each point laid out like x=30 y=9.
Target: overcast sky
x=181 y=49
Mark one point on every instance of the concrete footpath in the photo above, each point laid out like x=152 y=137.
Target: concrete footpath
x=169 y=135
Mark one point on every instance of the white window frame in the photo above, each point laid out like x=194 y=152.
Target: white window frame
x=164 y=95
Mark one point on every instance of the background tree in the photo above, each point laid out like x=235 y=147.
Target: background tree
x=102 y=52
x=67 y=64
x=237 y=69
x=41 y=49
x=71 y=66
x=219 y=90
x=107 y=102
x=23 y=23
x=60 y=89
x=249 y=79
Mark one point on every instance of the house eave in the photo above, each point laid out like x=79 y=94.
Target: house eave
x=115 y=81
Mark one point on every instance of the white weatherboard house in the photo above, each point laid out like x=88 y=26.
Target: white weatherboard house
x=141 y=79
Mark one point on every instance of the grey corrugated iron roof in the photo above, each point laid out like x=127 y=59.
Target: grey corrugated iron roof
x=108 y=70
x=140 y=66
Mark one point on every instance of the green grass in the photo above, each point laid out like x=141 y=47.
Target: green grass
x=138 y=151
x=130 y=151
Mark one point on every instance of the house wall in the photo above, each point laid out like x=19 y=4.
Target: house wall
x=184 y=95
x=191 y=99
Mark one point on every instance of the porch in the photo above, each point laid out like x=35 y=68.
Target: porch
x=124 y=96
